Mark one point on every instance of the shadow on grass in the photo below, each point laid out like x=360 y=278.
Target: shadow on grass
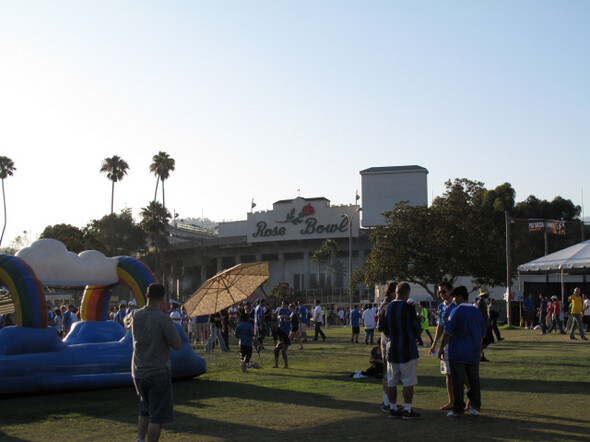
x=520 y=426
x=5 y=438
x=518 y=385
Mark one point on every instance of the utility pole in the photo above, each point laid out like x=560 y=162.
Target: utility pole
x=508 y=265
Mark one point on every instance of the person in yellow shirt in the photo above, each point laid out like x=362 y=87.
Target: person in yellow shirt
x=576 y=313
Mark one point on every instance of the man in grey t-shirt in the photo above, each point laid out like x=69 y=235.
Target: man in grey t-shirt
x=153 y=335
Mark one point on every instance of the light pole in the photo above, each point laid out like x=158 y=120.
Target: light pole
x=350 y=219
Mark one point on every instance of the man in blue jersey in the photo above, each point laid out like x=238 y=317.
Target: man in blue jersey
x=444 y=310
x=383 y=341
x=355 y=323
x=120 y=315
x=283 y=315
x=528 y=305
x=402 y=352
x=69 y=318
x=303 y=318
x=464 y=332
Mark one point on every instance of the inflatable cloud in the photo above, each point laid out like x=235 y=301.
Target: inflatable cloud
x=54 y=265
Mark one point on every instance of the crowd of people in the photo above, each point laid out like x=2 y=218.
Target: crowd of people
x=550 y=315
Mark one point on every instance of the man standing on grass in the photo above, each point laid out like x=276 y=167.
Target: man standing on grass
x=442 y=315
x=402 y=329
x=528 y=306
x=556 y=316
x=586 y=312
x=259 y=322
x=464 y=332
x=576 y=314
x=153 y=334
x=355 y=320
x=382 y=327
x=369 y=322
x=317 y=320
x=303 y=318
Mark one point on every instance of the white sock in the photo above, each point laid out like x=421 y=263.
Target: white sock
x=408 y=407
x=385 y=399
x=393 y=407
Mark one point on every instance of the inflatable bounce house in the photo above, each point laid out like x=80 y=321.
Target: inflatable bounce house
x=96 y=353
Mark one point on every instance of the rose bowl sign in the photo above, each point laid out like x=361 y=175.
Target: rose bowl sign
x=301 y=218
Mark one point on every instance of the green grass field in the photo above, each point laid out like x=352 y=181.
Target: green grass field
x=535 y=388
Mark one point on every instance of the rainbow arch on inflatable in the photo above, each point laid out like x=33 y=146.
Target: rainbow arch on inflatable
x=25 y=290
x=132 y=273
x=28 y=295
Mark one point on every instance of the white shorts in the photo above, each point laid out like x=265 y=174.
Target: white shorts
x=445 y=365
x=302 y=326
x=402 y=374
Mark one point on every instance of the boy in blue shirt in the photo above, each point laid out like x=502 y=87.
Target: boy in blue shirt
x=464 y=332
x=245 y=334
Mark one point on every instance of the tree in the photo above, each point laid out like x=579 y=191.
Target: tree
x=6 y=169
x=558 y=209
x=328 y=249
x=154 y=221
x=161 y=166
x=76 y=240
x=119 y=234
x=460 y=234
x=528 y=245
x=115 y=169
x=281 y=291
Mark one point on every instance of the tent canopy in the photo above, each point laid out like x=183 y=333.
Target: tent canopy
x=571 y=259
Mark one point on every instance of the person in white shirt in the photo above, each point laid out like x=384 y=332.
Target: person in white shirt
x=317 y=317
x=175 y=314
x=369 y=321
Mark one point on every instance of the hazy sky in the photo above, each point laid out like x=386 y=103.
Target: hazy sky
x=257 y=99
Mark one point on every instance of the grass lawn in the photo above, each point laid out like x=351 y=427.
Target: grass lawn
x=535 y=388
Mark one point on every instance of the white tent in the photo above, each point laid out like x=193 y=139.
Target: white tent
x=573 y=258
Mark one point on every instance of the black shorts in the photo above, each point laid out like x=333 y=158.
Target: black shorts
x=155 y=398
x=356 y=330
x=245 y=352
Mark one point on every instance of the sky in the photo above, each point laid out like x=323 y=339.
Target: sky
x=270 y=100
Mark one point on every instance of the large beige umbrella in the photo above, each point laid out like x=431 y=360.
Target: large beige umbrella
x=226 y=288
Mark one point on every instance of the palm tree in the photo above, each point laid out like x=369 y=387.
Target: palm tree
x=154 y=221
x=115 y=169
x=161 y=166
x=6 y=169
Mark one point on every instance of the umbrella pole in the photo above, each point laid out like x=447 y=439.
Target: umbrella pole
x=259 y=357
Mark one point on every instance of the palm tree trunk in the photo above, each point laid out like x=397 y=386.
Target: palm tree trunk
x=112 y=196
x=163 y=200
x=156 y=192
x=4 y=201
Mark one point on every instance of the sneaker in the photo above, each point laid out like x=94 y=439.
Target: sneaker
x=573 y=337
x=407 y=415
x=395 y=414
x=453 y=414
x=473 y=412
x=424 y=345
x=385 y=408
x=584 y=338
x=484 y=359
